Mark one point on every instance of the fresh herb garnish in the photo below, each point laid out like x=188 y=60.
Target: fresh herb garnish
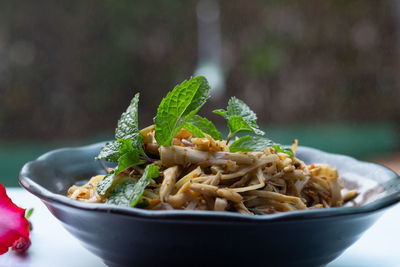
x=257 y=143
x=193 y=129
x=151 y=171
x=131 y=153
x=128 y=124
x=120 y=195
x=250 y=143
x=176 y=111
x=104 y=185
x=110 y=152
x=283 y=149
x=240 y=118
x=127 y=150
x=130 y=193
x=205 y=126
x=178 y=107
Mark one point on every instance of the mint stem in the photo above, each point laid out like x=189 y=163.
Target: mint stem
x=103 y=166
x=148 y=159
x=229 y=138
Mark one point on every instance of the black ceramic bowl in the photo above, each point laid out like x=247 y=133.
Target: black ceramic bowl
x=129 y=236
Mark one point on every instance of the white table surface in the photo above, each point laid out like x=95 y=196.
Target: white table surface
x=52 y=245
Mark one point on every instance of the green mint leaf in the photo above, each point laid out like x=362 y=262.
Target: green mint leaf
x=193 y=129
x=205 y=126
x=257 y=143
x=240 y=118
x=178 y=107
x=127 y=150
x=104 y=185
x=120 y=196
x=129 y=145
x=283 y=149
x=237 y=107
x=151 y=171
x=129 y=193
x=128 y=160
x=250 y=143
x=130 y=152
x=200 y=98
x=221 y=112
x=128 y=123
x=237 y=124
x=127 y=129
x=110 y=152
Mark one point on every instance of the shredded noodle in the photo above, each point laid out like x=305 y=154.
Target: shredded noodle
x=200 y=174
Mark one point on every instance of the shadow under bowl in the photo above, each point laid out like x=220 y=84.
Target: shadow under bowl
x=128 y=236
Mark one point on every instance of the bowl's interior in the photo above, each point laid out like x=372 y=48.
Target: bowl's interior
x=56 y=171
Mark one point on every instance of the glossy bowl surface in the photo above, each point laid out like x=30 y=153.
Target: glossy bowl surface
x=130 y=236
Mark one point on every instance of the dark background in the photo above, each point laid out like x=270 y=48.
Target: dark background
x=325 y=72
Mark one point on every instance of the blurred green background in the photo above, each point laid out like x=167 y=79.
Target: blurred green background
x=325 y=72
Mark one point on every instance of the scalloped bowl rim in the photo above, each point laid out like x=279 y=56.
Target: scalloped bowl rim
x=48 y=196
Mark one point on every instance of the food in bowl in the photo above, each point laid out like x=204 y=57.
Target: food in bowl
x=182 y=162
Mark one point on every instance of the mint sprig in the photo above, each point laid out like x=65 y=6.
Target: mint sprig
x=205 y=126
x=131 y=153
x=120 y=195
x=127 y=150
x=240 y=118
x=130 y=193
x=151 y=171
x=283 y=149
x=250 y=143
x=193 y=129
x=257 y=143
x=128 y=124
x=178 y=107
x=110 y=151
x=104 y=185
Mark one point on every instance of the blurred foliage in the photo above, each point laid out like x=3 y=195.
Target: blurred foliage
x=69 y=68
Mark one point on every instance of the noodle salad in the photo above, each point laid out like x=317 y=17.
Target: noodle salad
x=182 y=162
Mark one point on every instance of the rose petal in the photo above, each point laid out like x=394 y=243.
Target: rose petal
x=13 y=224
x=21 y=245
